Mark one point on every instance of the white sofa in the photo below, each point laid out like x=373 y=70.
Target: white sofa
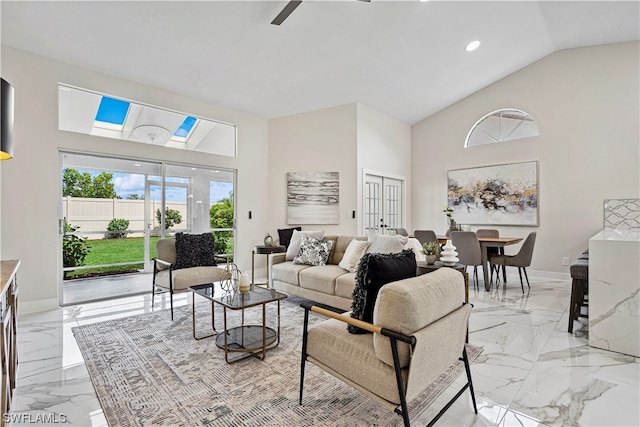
x=327 y=284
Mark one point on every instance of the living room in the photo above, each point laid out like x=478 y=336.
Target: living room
x=585 y=101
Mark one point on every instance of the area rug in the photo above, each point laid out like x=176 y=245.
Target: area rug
x=148 y=370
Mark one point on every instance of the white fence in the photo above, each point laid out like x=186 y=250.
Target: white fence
x=93 y=215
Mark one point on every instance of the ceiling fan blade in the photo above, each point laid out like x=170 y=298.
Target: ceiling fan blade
x=284 y=13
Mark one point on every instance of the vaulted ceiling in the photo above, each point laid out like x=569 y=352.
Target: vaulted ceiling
x=403 y=58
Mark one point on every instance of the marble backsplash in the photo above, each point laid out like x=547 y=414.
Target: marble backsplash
x=622 y=214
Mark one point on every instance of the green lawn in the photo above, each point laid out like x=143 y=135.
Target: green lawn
x=113 y=251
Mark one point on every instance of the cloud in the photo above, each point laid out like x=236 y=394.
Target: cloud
x=126 y=184
x=129 y=183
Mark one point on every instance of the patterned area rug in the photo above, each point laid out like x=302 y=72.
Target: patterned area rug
x=148 y=370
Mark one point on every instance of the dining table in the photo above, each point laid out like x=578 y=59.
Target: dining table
x=489 y=242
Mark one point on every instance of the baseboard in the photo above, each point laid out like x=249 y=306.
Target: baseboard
x=547 y=274
x=28 y=307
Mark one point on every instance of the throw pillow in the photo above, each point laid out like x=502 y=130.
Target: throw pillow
x=352 y=255
x=386 y=244
x=313 y=251
x=296 y=239
x=284 y=235
x=374 y=271
x=194 y=250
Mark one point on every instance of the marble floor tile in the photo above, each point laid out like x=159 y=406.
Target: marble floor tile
x=531 y=372
x=66 y=394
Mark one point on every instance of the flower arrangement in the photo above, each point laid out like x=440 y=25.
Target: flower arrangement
x=431 y=248
x=449 y=213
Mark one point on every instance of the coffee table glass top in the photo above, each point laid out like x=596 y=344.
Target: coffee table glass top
x=237 y=300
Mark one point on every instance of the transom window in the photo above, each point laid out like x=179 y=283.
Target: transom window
x=92 y=113
x=503 y=125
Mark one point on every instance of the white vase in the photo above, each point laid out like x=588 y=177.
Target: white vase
x=431 y=259
x=449 y=256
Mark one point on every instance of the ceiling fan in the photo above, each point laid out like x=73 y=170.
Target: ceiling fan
x=288 y=10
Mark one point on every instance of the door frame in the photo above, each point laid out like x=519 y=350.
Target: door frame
x=147 y=221
x=383 y=175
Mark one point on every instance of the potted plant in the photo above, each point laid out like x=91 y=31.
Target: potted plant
x=431 y=251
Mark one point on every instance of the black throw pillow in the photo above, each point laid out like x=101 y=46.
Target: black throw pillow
x=374 y=271
x=284 y=235
x=194 y=250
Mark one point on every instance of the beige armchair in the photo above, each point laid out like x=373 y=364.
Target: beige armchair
x=418 y=331
x=166 y=278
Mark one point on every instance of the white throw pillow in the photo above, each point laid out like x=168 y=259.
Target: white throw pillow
x=386 y=244
x=296 y=239
x=352 y=255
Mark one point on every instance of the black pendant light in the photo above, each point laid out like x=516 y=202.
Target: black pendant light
x=6 y=121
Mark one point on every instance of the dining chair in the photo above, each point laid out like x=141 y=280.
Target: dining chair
x=491 y=232
x=469 y=251
x=521 y=260
x=401 y=232
x=425 y=236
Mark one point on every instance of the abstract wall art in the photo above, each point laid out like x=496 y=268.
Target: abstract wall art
x=495 y=195
x=313 y=198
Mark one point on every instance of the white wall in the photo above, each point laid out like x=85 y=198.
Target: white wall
x=319 y=141
x=586 y=104
x=384 y=147
x=30 y=182
x=345 y=139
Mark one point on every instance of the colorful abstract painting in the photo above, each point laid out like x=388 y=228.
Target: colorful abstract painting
x=495 y=195
x=313 y=198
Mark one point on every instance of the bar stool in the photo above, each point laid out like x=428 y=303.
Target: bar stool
x=579 y=288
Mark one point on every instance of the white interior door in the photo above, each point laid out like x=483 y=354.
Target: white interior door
x=383 y=204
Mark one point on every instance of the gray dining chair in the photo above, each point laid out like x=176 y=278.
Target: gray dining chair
x=491 y=232
x=425 y=236
x=521 y=260
x=401 y=231
x=469 y=251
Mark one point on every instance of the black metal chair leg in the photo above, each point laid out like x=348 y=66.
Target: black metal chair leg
x=526 y=277
x=491 y=277
x=468 y=369
x=520 y=273
x=400 y=382
x=171 y=302
x=304 y=352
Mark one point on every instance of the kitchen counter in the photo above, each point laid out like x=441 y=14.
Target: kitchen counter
x=614 y=291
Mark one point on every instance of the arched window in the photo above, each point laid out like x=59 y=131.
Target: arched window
x=502 y=125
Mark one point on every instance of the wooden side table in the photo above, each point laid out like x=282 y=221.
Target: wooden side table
x=264 y=250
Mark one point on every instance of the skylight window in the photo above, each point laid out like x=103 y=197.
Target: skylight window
x=111 y=116
x=185 y=129
x=111 y=113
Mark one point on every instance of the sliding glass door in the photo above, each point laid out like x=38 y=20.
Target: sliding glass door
x=114 y=210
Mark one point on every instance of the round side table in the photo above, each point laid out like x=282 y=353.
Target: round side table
x=264 y=250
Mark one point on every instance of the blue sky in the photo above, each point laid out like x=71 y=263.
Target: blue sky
x=129 y=183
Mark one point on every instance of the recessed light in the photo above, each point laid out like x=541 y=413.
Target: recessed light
x=472 y=46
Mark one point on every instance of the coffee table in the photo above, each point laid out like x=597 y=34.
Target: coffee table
x=251 y=340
